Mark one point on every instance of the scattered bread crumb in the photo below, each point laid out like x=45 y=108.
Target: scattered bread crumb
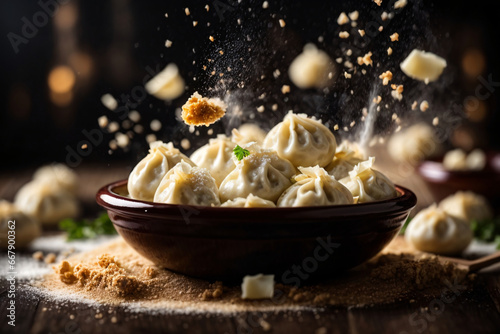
x=186 y=10
x=285 y=89
x=395 y=37
x=400 y=4
x=378 y=2
x=389 y=51
x=435 y=121
x=265 y=4
x=384 y=16
x=342 y=19
x=168 y=43
x=343 y=34
x=347 y=75
x=386 y=77
x=38 y=256
x=367 y=59
x=377 y=99
x=50 y=258
x=200 y=110
x=282 y=23
x=354 y=15
x=361 y=32
x=424 y=105
x=211 y=38
x=414 y=105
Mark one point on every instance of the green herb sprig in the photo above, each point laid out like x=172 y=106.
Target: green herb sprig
x=487 y=230
x=87 y=229
x=240 y=152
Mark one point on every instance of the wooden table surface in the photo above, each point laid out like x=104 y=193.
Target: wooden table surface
x=474 y=311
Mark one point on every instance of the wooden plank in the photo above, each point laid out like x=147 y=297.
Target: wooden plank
x=26 y=305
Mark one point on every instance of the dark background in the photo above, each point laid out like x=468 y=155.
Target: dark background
x=113 y=46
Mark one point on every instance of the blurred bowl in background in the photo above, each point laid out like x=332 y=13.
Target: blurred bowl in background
x=443 y=182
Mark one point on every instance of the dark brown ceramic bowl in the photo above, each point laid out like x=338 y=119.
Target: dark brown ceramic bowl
x=444 y=182
x=228 y=243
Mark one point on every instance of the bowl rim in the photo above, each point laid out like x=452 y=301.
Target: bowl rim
x=110 y=200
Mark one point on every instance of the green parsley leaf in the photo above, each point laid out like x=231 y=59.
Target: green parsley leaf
x=487 y=230
x=87 y=229
x=240 y=152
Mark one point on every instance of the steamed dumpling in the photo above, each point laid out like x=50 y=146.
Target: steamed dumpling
x=216 y=156
x=47 y=202
x=26 y=230
x=302 y=140
x=434 y=230
x=188 y=185
x=315 y=187
x=369 y=184
x=148 y=173
x=262 y=173
x=250 y=202
x=414 y=144
x=60 y=174
x=347 y=156
x=247 y=133
x=468 y=206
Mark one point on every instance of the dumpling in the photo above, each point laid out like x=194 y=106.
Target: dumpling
x=369 y=184
x=148 y=173
x=313 y=68
x=302 y=140
x=262 y=173
x=250 y=202
x=434 y=230
x=467 y=205
x=414 y=144
x=347 y=156
x=315 y=187
x=26 y=227
x=455 y=160
x=216 y=156
x=247 y=133
x=60 y=174
x=47 y=202
x=188 y=185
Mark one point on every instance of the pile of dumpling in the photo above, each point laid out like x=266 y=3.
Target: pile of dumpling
x=298 y=163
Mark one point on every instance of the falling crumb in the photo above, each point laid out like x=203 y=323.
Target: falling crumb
x=336 y=127
x=84 y=146
x=207 y=7
x=398 y=88
x=50 y=258
x=377 y=99
x=185 y=144
x=400 y=4
x=112 y=144
x=339 y=60
x=266 y=327
x=166 y=15
x=155 y=125
x=150 y=138
x=113 y=127
x=348 y=53
x=138 y=129
x=394 y=116
x=265 y=4
x=384 y=16
x=343 y=34
x=282 y=23
x=122 y=140
x=361 y=32
x=342 y=19
x=285 y=89
x=103 y=121
x=386 y=77
x=260 y=109
x=211 y=38
x=367 y=59
x=186 y=10
x=168 y=43
x=395 y=37
x=114 y=320
x=38 y=256
x=389 y=51
x=109 y=101
x=435 y=121
x=72 y=316
x=352 y=124
x=200 y=110
x=347 y=75
x=380 y=28
x=378 y=2
x=134 y=116
x=396 y=95
x=195 y=23
x=424 y=105
x=354 y=15
x=414 y=105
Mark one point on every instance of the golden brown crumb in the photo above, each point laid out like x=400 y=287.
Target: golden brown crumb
x=343 y=34
x=199 y=110
x=38 y=255
x=347 y=75
x=168 y=43
x=378 y=2
x=186 y=10
x=400 y=4
x=397 y=88
x=195 y=23
x=424 y=105
x=282 y=23
x=50 y=258
x=149 y=272
x=377 y=99
x=435 y=121
x=367 y=59
x=211 y=38
x=389 y=51
x=285 y=89
x=414 y=105
x=342 y=19
x=207 y=7
x=336 y=127
x=361 y=32
x=354 y=15
x=380 y=28
x=386 y=77
x=395 y=37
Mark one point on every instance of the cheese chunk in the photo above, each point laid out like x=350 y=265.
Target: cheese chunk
x=424 y=66
x=257 y=287
x=166 y=85
x=311 y=68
